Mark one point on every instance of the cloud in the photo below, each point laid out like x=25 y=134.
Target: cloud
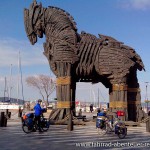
x=30 y=55
x=135 y=4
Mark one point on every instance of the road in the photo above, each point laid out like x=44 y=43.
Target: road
x=82 y=137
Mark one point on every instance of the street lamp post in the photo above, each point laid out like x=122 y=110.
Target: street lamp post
x=98 y=97
x=146 y=97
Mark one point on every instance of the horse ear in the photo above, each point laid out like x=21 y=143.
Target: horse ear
x=34 y=2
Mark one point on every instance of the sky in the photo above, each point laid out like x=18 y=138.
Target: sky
x=126 y=20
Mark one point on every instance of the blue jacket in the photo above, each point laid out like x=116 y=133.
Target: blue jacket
x=38 y=110
x=101 y=114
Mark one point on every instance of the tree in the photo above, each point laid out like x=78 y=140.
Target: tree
x=44 y=84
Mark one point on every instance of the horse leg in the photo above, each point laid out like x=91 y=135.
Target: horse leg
x=118 y=98
x=73 y=94
x=135 y=112
x=64 y=91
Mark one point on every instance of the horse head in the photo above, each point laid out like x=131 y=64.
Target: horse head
x=33 y=20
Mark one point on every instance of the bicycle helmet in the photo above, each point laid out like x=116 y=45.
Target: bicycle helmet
x=39 y=100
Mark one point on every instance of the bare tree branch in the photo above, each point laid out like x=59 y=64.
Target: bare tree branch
x=44 y=84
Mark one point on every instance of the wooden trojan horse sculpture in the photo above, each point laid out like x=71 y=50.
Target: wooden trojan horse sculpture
x=83 y=57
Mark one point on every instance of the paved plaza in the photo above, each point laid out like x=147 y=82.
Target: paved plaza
x=83 y=137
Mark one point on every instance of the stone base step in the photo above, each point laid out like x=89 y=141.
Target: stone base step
x=132 y=123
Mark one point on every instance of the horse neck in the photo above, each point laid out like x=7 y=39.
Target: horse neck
x=58 y=21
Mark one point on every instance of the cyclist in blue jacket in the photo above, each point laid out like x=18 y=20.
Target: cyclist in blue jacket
x=101 y=113
x=38 y=111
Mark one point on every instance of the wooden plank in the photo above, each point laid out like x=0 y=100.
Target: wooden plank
x=61 y=114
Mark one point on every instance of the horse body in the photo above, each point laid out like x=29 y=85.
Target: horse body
x=104 y=55
x=89 y=58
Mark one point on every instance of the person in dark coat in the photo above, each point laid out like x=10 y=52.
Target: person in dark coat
x=149 y=113
x=91 y=108
x=20 y=112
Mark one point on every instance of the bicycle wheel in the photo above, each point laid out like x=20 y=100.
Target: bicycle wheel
x=122 y=133
x=26 y=128
x=45 y=125
x=34 y=127
x=102 y=131
x=108 y=129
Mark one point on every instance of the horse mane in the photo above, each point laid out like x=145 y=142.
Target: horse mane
x=62 y=14
x=61 y=32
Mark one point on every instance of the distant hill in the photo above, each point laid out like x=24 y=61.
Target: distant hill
x=11 y=100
